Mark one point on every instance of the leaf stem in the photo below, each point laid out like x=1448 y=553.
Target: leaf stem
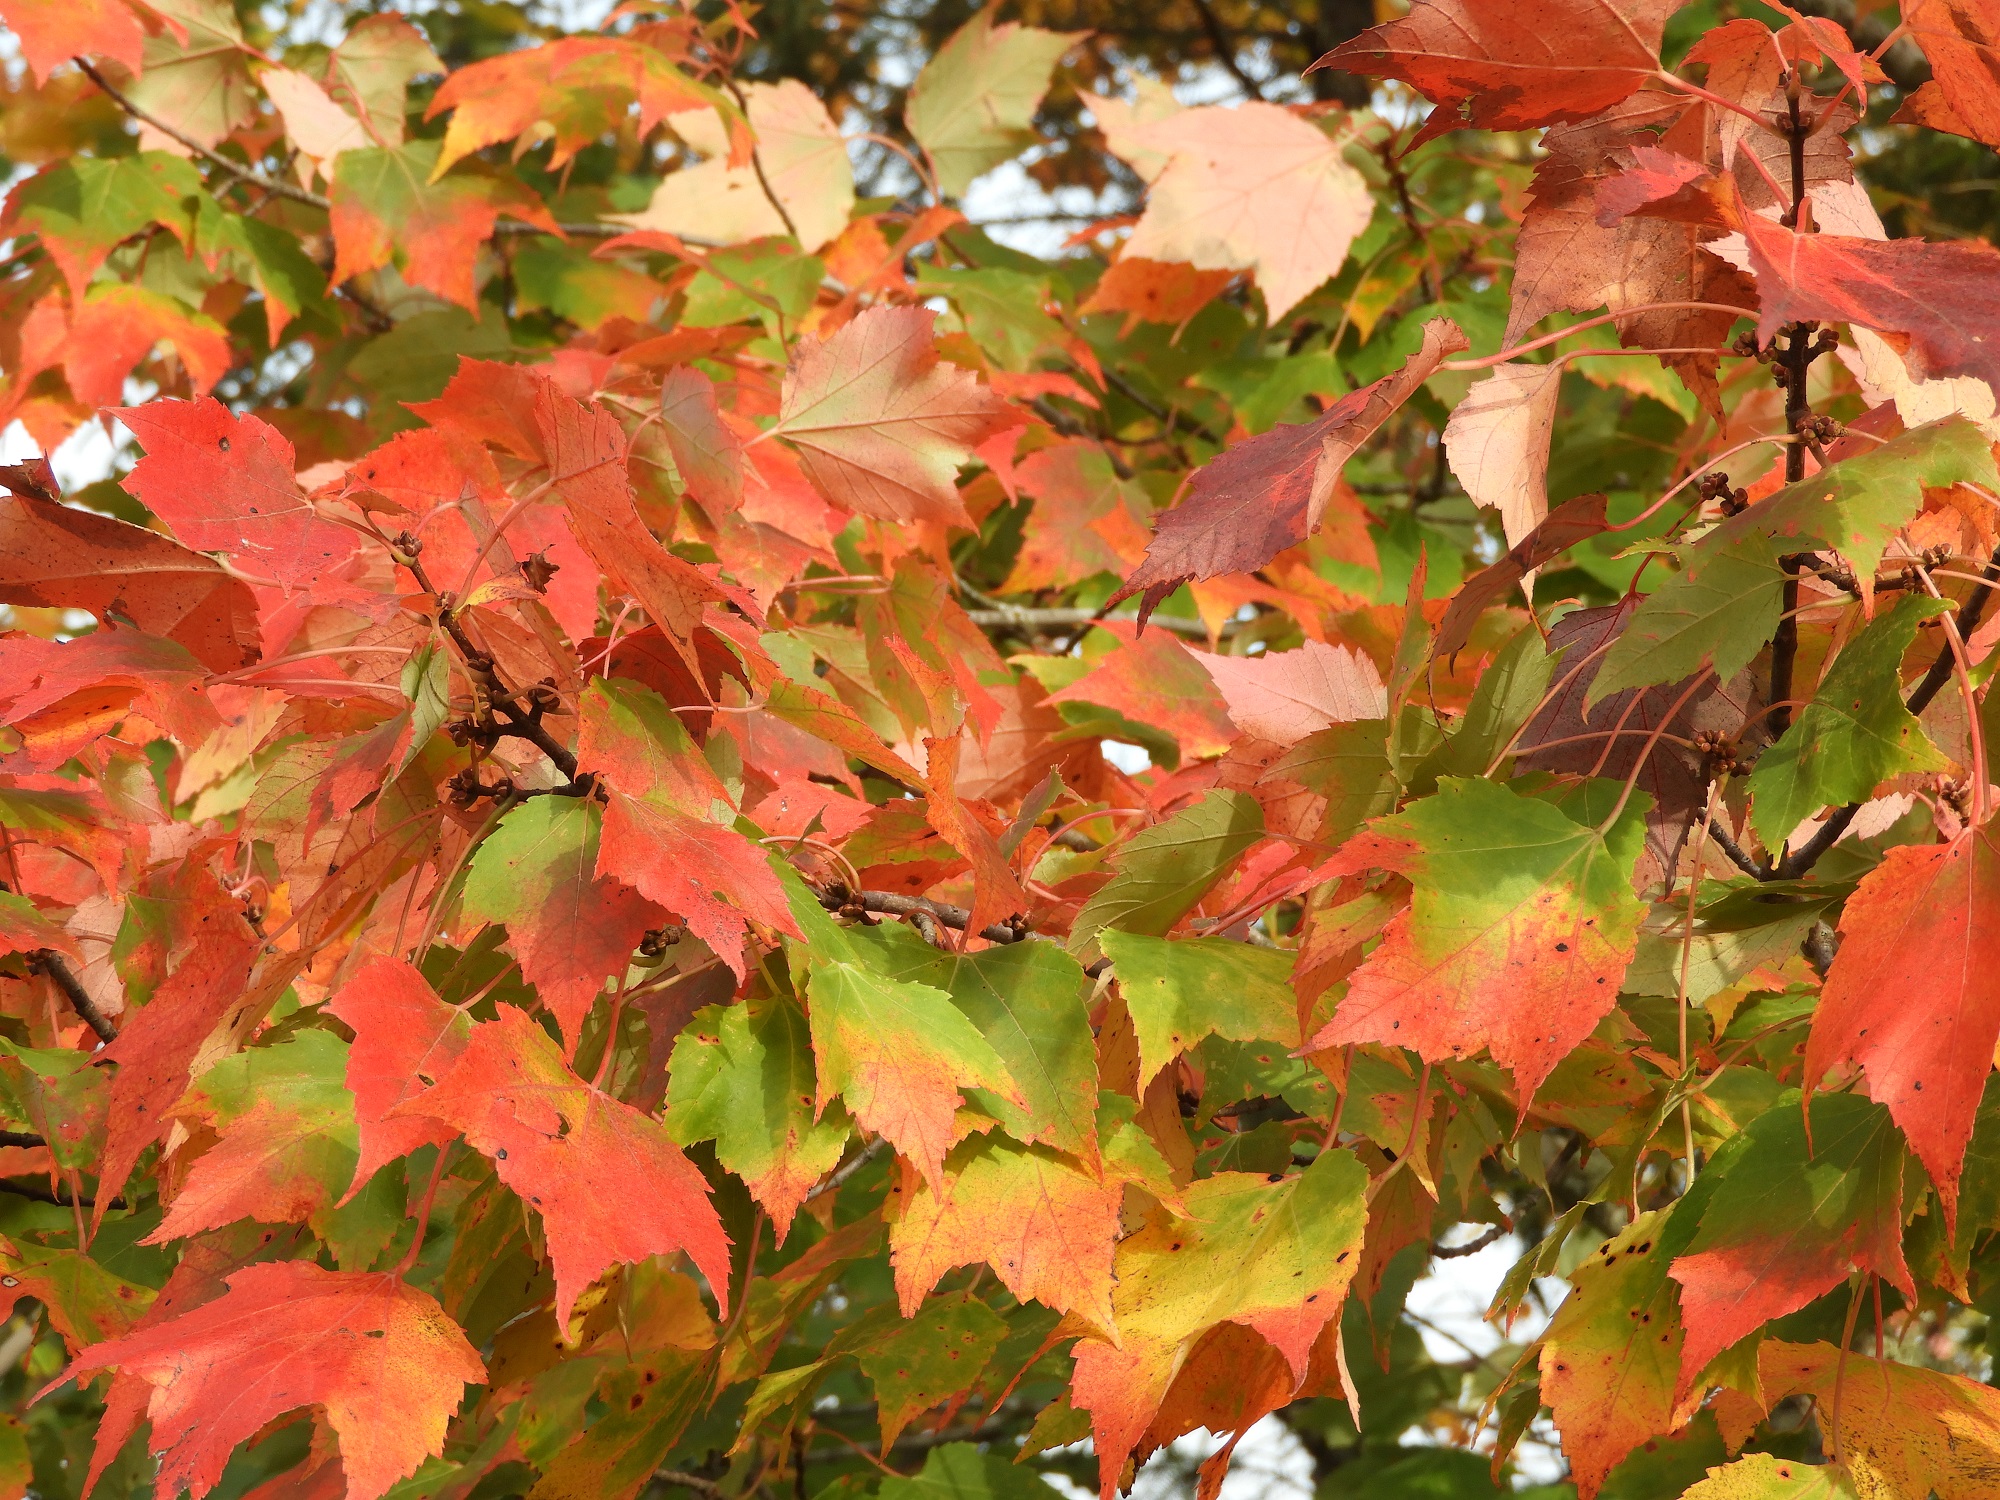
x=1486 y=362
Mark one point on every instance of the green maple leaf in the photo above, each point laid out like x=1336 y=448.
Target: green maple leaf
x=1717 y=612
x=973 y=105
x=1854 y=734
x=742 y=1076
x=1179 y=992
x=924 y=1359
x=1160 y=874
x=899 y=1053
x=1027 y=1000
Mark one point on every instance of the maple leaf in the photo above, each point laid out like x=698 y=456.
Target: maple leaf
x=1940 y=295
x=1961 y=41
x=1275 y=1257
x=1567 y=259
x=586 y=453
x=370 y=70
x=569 y=925
x=1574 y=732
x=116 y=328
x=380 y=1358
x=85 y=1302
x=63 y=695
x=1521 y=955
x=609 y=1182
x=1760 y=1476
x=706 y=449
x=1155 y=291
x=666 y=826
x=1153 y=679
x=1853 y=735
x=57 y=1093
x=196 y=73
x=1253 y=188
x=1162 y=872
x=1610 y=1360
x=742 y=1076
x=81 y=210
x=405 y=1037
x=1914 y=995
x=320 y=128
x=1789 y=1219
x=1026 y=999
x=1284 y=696
x=1500 y=69
x=577 y=89
x=973 y=105
x=395 y=206
x=224 y=483
x=1498 y=442
x=156 y=1046
x=287 y=1146
x=1267 y=494
x=1904 y=1430
x=1179 y=992
x=51 y=33
x=935 y=1352
x=1047 y=1227
x=898 y=1052
x=882 y=427
x=800 y=155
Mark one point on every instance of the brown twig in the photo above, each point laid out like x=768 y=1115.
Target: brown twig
x=1470 y=1247
x=837 y=897
x=34 y=1192
x=247 y=175
x=48 y=961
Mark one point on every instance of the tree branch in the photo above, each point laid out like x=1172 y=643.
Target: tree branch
x=36 y=1193
x=1734 y=850
x=1470 y=1247
x=247 y=175
x=1803 y=858
x=838 y=897
x=1225 y=49
x=1033 y=619
x=52 y=963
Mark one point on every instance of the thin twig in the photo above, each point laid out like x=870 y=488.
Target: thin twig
x=689 y=1482
x=1470 y=1247
x=52 y=963
x=247 y=175
x=1225 y=49
x=36 y=1193
x=835 y=897
x=1032 y=619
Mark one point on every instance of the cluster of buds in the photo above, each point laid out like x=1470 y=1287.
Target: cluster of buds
x=654 y=945
x=1715 y=490
x=846 y=905
x=1956 y=794
x=1718 y=753
x=466 y=788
